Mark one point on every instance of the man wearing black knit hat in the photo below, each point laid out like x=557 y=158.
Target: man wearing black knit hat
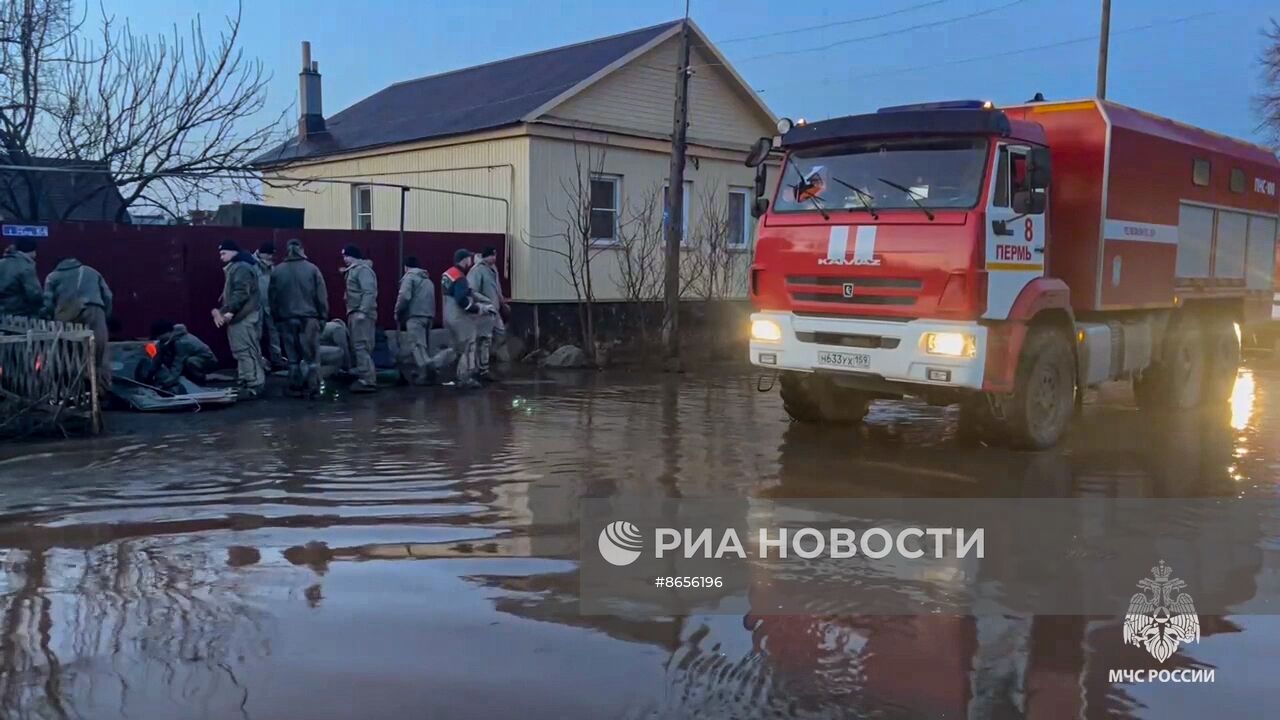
x=362 y=315
x=240 y=314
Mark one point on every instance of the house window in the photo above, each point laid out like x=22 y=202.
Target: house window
x=684 y=220
x=362 y=207
x=740 y=220
x=1237 y=180
x=1200 y=173
x=604 y=208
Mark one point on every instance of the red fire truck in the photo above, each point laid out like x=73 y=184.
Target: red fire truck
x=1007 y=258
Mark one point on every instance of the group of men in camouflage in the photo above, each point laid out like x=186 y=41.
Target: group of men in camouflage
x=287 y=302
x=296 y=308
x=73 y=292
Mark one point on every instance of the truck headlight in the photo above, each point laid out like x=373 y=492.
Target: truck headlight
x=950 y=344
x=766 y=330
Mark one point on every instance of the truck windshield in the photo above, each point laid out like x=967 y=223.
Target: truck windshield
x=937 y=172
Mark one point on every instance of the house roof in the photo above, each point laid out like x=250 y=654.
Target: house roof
x=467 y=100
x=88 y=194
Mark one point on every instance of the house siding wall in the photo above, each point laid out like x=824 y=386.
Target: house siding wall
x=641 y=96
x=552 y=159
x=329 y=205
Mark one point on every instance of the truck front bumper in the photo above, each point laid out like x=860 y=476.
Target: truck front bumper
x=879 y=350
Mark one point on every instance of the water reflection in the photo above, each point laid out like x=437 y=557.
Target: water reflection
x=1242 y=400
x=417 y=551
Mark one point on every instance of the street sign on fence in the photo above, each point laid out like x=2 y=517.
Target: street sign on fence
x=26 y=231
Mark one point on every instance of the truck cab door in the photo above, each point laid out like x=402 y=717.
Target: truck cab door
x=1015 y=241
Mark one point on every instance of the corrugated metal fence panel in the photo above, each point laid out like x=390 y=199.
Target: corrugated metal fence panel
x=174 y=273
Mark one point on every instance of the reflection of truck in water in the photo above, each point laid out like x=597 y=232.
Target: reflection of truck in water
x=1006 y=259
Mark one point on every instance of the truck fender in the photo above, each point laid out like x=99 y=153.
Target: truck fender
x=1004 y=338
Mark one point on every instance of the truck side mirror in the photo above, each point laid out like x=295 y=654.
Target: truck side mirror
x=759 y=207
x=762 y=180
x=759 y=152
x=1030 y=202
x=1039 y=169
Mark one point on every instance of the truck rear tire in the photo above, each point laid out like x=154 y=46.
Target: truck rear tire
x=810 y=398
x=1177 y=380
x=1222 y=350
x=1043 y=401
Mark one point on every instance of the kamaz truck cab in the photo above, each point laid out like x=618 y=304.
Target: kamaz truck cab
x=909 y=252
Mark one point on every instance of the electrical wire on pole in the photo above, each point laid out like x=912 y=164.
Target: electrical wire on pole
x=673 y=207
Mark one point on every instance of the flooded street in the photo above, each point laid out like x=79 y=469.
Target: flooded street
x=413 y=554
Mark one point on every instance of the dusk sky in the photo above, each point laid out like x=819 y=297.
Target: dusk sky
x=1187 y=59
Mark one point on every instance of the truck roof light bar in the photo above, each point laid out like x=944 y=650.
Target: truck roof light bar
x=945 y=105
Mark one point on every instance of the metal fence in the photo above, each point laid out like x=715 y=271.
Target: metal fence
x=48 y=377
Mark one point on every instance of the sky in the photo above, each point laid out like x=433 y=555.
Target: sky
x=1191 y=60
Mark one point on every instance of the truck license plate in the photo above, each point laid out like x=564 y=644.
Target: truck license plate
x=849 y=361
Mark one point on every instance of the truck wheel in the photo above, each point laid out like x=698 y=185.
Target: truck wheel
x=1177 y=380
x=1222 y=350
x=810 y=398
x=1043 y=400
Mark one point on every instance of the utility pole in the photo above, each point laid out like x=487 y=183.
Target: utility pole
x=1103 y=41
x=673 y=210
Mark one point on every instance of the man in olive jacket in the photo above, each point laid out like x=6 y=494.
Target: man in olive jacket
x=483 y=279
x=240 y=314
x=362 y=314
x=75 y=292
x=19 y=286
x=266 y=257
x=416 y=310
x=300 y=306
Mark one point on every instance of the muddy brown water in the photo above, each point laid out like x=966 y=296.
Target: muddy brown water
x=411 y=554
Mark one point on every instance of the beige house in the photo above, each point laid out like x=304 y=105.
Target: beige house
x=496 y=148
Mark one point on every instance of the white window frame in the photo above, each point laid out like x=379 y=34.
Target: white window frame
x=748 y=222
x=355 y=206
x=616 y=180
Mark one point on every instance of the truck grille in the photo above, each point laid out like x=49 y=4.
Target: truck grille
x=866 y=290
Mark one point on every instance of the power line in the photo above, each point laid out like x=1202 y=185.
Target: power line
x=851 y=21
x=887 y=33
x=1047 y=46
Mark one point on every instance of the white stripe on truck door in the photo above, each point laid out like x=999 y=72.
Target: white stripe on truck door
x=864 y=245
x=838 y=242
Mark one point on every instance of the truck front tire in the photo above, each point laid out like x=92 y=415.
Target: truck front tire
x=1043 y=401
x=811 y=398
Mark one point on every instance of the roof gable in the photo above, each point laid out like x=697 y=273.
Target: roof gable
x=87 y=194
x=467 y=100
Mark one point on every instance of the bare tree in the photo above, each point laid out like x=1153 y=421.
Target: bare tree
x=166 y=120
x=712 y=266
x=1269 y=98
x=575 y=242
x=640 y=249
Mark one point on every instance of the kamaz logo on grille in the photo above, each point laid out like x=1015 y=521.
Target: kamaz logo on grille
x=872 y=261
x=848 y=289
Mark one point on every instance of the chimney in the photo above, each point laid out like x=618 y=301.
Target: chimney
x=311 y=119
